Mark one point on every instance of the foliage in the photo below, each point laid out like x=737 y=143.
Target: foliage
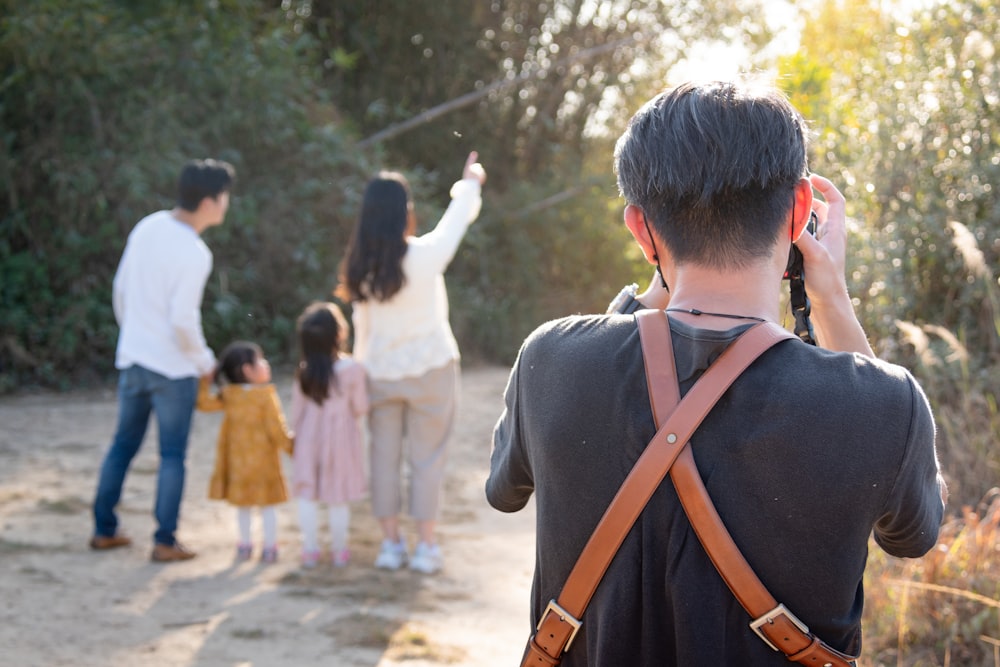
x=101 y=102
x=536 y=88
x=540 y=258
x=945 y=607
x=558 y=63
x=906 y=113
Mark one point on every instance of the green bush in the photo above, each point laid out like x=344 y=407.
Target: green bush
x=102 y=103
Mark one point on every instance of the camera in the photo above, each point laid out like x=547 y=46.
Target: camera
x=794 y=268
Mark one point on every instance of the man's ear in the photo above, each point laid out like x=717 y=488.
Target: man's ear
x=802 y=208
x=635 y=220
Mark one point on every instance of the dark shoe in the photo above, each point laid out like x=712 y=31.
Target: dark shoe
x=104 y=542
x=168 y=553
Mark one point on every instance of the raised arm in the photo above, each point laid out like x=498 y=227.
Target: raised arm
x=824 y=260
x=439 y=245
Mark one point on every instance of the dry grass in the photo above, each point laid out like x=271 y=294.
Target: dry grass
x=943 y=609
x=962 y=389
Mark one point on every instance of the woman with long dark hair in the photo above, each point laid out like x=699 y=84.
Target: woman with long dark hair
x=395 y=283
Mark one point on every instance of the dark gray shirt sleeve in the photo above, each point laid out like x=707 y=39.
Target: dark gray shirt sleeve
x=908 y=526
x=510 y=483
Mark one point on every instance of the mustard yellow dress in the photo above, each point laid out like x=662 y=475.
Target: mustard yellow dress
x=252 y=436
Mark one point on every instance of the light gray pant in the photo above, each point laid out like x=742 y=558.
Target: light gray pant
x=419 y=411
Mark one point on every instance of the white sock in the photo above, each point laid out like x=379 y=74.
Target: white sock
x=269 y=520
x=308 y=524
x=340 y=519
x=243 y=522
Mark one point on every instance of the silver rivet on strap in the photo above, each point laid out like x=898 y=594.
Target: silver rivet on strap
x=672 y=438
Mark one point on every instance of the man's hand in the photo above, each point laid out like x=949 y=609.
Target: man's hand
x=824 y=262
x=824 y=255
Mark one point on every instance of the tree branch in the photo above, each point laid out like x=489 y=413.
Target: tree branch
x=469 y=98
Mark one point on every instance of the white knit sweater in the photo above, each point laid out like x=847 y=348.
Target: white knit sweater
x=409 y=334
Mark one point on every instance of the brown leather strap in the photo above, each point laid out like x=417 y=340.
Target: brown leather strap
x=774 y=623
x=560 y=620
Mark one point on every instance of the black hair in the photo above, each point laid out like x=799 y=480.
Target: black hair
x=713 y=166
x=203 y=178
x=373 y=263
x=321 y=328
x=234 y=358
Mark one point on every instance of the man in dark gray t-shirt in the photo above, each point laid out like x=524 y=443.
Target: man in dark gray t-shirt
x=811 y=449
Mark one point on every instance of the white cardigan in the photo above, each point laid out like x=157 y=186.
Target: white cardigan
x=409 y=334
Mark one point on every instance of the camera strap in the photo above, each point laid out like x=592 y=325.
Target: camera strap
x=772 y=621
x=801 y=308
x=676 y=419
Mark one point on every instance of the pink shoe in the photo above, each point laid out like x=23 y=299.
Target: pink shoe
x=310 y=559
x=244 y=551
x=269 y=555
x=341 y=558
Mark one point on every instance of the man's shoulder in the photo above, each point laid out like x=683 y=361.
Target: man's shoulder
x=576 y=325
x=853 y=376
x=863 y=366
x=152 y=221
x=163 y=225
x=880 y=367
x=578 y=332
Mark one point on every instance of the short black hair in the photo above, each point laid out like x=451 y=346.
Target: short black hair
x=713 y=166
x=203 y=178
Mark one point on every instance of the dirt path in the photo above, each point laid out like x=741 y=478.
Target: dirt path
x=65 y=605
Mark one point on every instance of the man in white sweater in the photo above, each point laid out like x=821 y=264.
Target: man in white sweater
x=157 y=293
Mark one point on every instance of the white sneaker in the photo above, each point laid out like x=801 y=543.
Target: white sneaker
x=426 y=559
x=392 y=556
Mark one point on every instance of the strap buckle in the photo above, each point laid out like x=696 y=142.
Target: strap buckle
x=768 y=619
x=565 y=617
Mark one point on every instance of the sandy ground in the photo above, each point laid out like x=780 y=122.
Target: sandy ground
x=62 y=604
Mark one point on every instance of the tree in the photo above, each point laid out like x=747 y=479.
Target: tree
x=102 y=100
x=539 y=89
x=908 y=122
x=101 y=103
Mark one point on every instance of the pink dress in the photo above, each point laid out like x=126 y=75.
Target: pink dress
x=328 y=461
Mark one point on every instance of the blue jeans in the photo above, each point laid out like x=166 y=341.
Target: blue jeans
x=140 y=391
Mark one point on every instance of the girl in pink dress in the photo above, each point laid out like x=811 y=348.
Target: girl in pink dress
x=328 y=399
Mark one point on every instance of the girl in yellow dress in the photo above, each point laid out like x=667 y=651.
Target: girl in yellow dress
x=253 y=432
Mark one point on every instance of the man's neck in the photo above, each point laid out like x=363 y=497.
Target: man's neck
x=189 y=218
x=751 y=293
